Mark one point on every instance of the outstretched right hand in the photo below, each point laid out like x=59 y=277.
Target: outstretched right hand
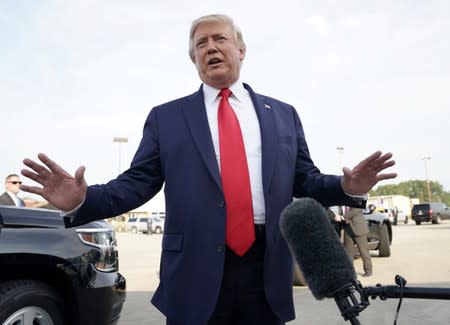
x=58 y=186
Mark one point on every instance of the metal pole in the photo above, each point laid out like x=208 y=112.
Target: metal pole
x=120 y=140
x=425 y=159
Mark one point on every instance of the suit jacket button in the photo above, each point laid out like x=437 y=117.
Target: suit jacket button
x=222 y=204
x=219 y=248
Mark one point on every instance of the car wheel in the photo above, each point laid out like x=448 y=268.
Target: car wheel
x=134 y=230
x=384 y=250
x=29 y=302
x=406 y=220
x=437 y=220
x=299 y=279
x=158 y=230
x=418 y=223
x=395 y=221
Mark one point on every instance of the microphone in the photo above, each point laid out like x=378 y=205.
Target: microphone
x=316 y=248
x=328 y=270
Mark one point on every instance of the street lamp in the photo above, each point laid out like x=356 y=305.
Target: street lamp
x=340 y=154
x=120 y=140
x=425 y=159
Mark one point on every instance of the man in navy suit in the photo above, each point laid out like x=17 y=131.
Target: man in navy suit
x=202 y=280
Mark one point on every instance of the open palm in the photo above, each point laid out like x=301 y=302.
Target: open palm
x=59 y=188
x=365 y=175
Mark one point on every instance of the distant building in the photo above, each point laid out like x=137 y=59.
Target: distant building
x=402 y=203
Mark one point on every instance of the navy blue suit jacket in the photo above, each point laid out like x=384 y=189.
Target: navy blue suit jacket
x=177 y=150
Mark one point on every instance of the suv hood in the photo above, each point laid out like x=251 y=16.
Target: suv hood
x=11 y=216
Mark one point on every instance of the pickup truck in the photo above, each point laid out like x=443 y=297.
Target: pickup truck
x=52 y=274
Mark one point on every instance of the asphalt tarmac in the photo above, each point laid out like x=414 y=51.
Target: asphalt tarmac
x=421 y=254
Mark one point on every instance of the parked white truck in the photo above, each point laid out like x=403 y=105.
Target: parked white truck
x=401 y=203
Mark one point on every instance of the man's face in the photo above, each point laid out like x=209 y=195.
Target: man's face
x=217 y=55
x=13 y=184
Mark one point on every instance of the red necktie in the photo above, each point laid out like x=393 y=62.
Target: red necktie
x=240 y=230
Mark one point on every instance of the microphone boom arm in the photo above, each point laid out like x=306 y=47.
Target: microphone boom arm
x=350 y=306
x=401 y=291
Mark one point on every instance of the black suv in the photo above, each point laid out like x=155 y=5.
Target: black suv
x=380 y=231
x=430 y=211
x=50 y=274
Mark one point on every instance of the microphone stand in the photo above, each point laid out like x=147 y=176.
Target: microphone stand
x=400 y=291
x=350 y=306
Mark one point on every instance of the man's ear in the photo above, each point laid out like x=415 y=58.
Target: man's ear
x=242 y=52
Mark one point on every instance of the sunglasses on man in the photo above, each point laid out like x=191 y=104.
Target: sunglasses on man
x=16 y=182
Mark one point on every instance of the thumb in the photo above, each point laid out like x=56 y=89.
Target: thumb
x=347 y=172
x=79 y=176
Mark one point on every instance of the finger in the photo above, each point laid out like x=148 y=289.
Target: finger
x=385 y=165
x=79 y=176
x=381 y=162
x=38 y=168
x=31 y=189
x=347 y=172
x=386 y=156
x=53 y=166
x=382 y=159
x=381 y=177
x=372 y=158
x=33 y=176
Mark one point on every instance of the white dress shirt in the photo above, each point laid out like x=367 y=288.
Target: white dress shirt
x=242 y=105
x=15 y=198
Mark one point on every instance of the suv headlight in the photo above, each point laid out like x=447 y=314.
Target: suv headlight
x=105 y=242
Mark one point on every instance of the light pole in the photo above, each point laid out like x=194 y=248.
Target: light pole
x=340 y=154
x=120 y=140
x=425 y=159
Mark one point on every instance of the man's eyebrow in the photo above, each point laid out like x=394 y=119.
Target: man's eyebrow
x=201 y=38
x=212 y=35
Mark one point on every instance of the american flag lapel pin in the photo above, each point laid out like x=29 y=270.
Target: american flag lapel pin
x=267 y=106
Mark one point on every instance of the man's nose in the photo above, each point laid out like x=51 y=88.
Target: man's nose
x=211 y=46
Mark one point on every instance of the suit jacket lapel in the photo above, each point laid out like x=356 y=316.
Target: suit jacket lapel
x=195 y=113
x=7 y=199
x=269 y=137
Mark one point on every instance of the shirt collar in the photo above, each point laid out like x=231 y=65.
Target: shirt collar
x=211 y=93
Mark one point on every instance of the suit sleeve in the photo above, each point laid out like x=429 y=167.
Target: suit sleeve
x=132 y=188
x=309 y=181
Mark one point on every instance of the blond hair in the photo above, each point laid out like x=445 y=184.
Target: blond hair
x=214 y=18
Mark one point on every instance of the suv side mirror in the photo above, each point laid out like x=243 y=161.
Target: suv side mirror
x=372 y=208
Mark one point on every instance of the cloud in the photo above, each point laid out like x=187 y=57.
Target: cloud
x=319 y=24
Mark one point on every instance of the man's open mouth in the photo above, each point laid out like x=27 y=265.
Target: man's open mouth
x=214 y=61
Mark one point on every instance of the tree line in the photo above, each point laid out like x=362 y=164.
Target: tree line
x=415 y=189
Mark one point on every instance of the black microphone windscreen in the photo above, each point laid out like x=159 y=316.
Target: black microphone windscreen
x=316 y=247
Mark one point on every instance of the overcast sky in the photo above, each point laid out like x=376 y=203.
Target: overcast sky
x=363 y=75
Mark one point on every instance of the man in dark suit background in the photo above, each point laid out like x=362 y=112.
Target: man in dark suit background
x=202 y=280
x=12 y=187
